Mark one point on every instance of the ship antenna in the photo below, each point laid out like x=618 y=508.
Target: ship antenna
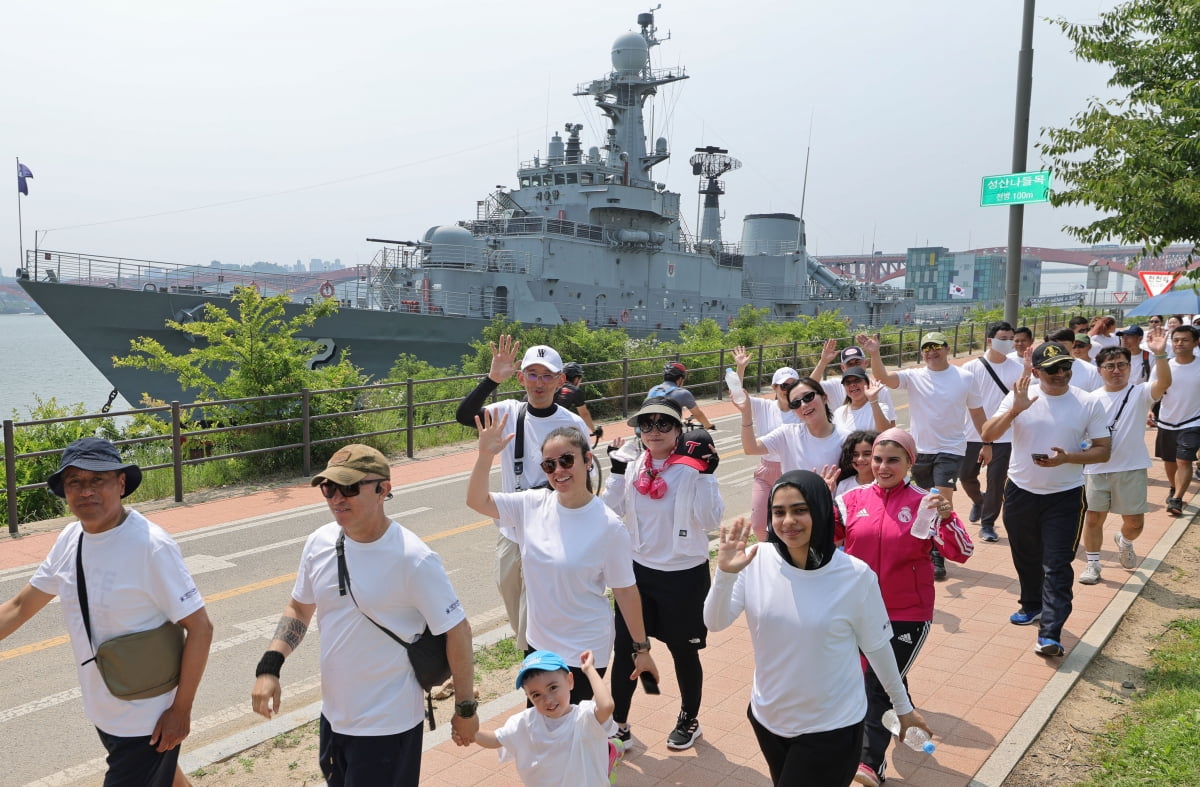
x=710 y=163
x=807 y=154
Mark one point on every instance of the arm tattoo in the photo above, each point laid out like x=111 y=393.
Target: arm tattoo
x=291 y=631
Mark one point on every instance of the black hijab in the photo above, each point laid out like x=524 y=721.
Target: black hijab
x=820 y=507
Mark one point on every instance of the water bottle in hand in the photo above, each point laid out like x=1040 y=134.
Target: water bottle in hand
x=916 y=738
x=925 y=519
x=736 y=393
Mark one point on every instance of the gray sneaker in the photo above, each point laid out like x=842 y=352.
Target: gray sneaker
x=1125 y=554
x=1090 y=574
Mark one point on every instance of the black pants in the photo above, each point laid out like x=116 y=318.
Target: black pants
x=820 y=759
x=907 y=639
x=133 y=762
x=371 y=760
x=1043 y=534
x=673 y=611
x=989 y=502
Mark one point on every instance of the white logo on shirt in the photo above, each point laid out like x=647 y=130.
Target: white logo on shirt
x=905 y=638
x=905 y=515
x=861 y=513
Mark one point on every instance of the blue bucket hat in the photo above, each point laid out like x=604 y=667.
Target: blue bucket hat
x=540 y=661
x=97 y=455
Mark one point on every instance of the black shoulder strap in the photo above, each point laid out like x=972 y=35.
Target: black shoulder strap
x=1145 y=366
x=81 y=586
x=519 y=446
x=992 y=372
x=1112 y=427
x=344 y=588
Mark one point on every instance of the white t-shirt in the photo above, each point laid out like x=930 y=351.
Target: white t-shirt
x=1100 y=341
x=1182 y=399
x=536 y=430
x=1086 y=376
x=768 y=416
x=1064 y=421
x=837 y=397
x=990 y=395
x=846 y=484
x=848 y=420
x=568 y=557
x=136 y=581
x=934 y=401
x=1129 y=439
x=548 y=752
x=806 y=628
x=367 y=683
x=795 y=448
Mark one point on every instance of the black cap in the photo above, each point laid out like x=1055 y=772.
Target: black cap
x=1050 y=354
x=99 y=456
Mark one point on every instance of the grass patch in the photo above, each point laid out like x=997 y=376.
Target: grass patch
x=501 y=656
x=1156 y=741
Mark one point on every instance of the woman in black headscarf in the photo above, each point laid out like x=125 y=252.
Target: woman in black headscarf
x=810 y=610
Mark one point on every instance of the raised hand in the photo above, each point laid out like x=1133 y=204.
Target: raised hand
x=491 y=433
x=1021 y=400
x=830 y=473
x=741 y=359
x=869 y=344
x=504 y=358
x=829 y=351
x=732 y=555
x=873 y=389
x=1156 y=340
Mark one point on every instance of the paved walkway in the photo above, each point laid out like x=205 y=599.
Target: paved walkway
x=977 y=681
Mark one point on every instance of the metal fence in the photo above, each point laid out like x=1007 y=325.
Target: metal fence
x=621 y=385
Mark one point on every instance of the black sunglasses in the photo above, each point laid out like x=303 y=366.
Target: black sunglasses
x=329 y=488
x=803 y=400
x=663 y=425
x=566 y=462
x=788 y=386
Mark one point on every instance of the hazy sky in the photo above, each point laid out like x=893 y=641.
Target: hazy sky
x=309 y=126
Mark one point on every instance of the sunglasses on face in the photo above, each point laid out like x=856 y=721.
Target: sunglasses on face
x=803 y=400
x=663 y=425
x=931 y=348
x=1056 y=369
x=329 y=488
x=566 y=462
x=788 y=386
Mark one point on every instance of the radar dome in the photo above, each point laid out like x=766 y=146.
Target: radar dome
x=449 y=235
x=629 y=53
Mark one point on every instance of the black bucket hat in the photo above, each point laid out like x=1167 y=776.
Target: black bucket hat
x=97 y=455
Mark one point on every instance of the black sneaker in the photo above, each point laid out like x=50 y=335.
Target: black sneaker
x=975 y=514
x=988 y=534
x=1175 y=506
x=939 y=564
x=686 y=731
x=623 y=735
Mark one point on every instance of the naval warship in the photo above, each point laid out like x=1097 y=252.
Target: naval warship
x=583 y=235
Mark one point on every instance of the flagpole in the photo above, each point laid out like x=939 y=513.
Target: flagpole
x=20 y=224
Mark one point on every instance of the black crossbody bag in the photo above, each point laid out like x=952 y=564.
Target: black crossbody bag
x=427 y=653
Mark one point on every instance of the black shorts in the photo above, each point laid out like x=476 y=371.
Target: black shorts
x=380 y=760
x=133 y=762
x=1175 y=445
x=673 y=603
x=937 y=470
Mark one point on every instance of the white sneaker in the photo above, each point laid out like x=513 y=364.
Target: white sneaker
x=1090 y=574
x=1125 y=553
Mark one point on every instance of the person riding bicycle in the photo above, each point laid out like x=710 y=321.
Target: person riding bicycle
x=570 y=395
x=674 y=376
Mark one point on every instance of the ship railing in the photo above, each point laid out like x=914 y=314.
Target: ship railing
x=536 y=225
x=609 y=83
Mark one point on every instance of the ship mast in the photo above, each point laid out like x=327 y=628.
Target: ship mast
x=710 y=164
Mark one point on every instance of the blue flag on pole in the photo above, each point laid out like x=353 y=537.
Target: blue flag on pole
x=23 y=173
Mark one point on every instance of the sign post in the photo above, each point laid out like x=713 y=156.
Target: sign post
x=1018 y=188
x=1157 y=282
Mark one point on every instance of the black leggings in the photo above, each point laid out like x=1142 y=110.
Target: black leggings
x=816 y=758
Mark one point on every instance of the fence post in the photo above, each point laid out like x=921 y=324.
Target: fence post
x=10 y=476
x=624 y=387
x=177 y=451
x=720 y=373
x=410 y=413
x=956 y=338
x=306 y=428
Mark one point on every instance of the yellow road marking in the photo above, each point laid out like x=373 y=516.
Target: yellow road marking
x=33 y=647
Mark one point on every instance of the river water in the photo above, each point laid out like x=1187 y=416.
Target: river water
x=37 y=359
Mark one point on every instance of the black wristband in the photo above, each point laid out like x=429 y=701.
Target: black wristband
x=269 y=664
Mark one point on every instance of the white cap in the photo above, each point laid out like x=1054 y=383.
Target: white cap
x=543 y=355
x=783 y=375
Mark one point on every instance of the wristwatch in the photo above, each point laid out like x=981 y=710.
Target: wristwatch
x=641 y=647
x=466 y=709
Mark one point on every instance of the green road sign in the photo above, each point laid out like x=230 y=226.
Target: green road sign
x=1018 y=188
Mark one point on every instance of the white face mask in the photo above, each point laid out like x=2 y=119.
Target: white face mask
x=1003 y=346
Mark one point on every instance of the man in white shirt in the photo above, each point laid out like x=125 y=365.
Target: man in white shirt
x=1119 y=485
x=532 y=419
x=1083 y=372
x=940 y=396
x=1131 y=339
x=1179 y=418
x=992 y=376
x=135 y=581
x=1044 y=497
x=1022 y=341
x=370 y=580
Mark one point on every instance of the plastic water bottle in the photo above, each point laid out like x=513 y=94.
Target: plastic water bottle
x=925 y=519
x=916 y=738
x=736 y=393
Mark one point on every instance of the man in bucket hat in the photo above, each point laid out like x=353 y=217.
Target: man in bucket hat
x=372 y=714
x=136 y=581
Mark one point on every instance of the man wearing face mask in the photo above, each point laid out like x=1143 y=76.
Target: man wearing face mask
x=991 y=376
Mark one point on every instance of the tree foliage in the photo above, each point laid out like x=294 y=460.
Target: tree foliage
x=1136 y=158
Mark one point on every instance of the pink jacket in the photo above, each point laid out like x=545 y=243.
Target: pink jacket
x=874 y=525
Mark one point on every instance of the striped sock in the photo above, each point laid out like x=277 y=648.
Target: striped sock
x=1093 y=557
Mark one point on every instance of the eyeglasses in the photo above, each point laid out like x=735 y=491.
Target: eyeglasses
x=329 y=488
x=566 y=462
x=788 y=386
x=1079 y=346
x=1113 y=367
x=1156 y=322
x=803 y=400
x=540 y=378
x=663 y=425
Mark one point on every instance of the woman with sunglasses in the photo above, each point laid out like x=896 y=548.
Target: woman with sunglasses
x=669 y=502
x=572 y=548
x=814 y=442
x=810 y=609
x=874 y=523
x=862 y=408
x=769 y=412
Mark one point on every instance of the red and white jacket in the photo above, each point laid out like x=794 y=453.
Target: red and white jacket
x=874 y=523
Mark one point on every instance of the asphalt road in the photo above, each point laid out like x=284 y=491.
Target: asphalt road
x=245 y=570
